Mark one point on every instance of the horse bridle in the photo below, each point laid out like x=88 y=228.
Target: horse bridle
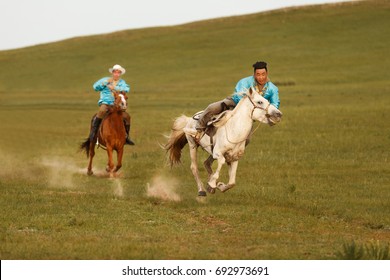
x=118 y=94
x=255 y=106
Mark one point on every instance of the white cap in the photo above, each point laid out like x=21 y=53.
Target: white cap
x=117 y=67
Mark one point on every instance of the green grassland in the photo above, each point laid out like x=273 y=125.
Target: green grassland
x=312 y=187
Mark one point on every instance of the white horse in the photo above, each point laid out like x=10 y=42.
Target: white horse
x=227 y=145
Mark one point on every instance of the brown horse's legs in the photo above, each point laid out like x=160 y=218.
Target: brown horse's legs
x=91 y=155
x=110 y=164
x=119 y=160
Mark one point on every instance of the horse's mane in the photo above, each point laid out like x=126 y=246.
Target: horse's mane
x=243 y=92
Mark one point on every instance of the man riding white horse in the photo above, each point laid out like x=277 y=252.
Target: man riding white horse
x=259 y=81
x=226 y=143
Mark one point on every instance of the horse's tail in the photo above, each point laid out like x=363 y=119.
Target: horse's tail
x=176 y=140
x=85 y=146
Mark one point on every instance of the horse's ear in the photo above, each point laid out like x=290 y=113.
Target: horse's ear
x=250 y=91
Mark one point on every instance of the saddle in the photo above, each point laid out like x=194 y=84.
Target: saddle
x=215 y=122
x=220 y=119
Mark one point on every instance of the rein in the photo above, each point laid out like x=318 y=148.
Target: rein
x=231 y=142
x=248 y=136
x=123 y=99
x=255 y=106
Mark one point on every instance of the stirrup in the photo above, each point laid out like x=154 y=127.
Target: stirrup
x=199 y=135
x=100 y=145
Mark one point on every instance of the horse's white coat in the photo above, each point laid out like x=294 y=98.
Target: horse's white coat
x=229 y=139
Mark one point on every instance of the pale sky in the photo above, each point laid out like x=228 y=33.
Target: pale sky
x=31 y=22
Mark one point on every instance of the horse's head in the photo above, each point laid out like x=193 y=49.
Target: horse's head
x=266 y=113
x=120 y=100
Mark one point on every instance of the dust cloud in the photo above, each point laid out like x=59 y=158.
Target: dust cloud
x=13 y=167
x=163 y=188
x=60 y=172
x=53 y=171
x=117 y=188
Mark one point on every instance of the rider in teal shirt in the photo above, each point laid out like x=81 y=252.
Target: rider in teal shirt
x=106 y=86
x=259 y=81
x=269 y=91
x=106 y=96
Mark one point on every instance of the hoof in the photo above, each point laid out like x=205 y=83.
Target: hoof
x=225 y=188
x=89 y=172
x=202 y=193
x=210 y=190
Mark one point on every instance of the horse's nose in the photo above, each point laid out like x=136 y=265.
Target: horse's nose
x=277 y=116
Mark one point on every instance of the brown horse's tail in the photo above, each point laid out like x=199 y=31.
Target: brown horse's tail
x=176 y=140
x=85 y=146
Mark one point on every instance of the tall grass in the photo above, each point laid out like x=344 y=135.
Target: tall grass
x=371 y=251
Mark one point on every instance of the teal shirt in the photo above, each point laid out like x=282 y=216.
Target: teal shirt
x=271 y=92
x=106 y=96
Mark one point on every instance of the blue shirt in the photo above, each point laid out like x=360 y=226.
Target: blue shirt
x=106 y=96
x=269 y=91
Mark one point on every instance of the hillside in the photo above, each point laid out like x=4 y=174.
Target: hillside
x=213 y=53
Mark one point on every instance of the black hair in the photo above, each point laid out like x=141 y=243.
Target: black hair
x=260 y=65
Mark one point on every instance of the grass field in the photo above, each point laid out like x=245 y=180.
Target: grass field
x=316 y=186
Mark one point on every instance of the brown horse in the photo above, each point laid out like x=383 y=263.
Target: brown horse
x=111 y=135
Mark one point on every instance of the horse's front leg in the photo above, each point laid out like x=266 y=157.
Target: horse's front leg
x=207 y=164
x=195 y=170
x=213 y=179
x=91 y=155
x=232 y=177
x=110 y=164
x=119 y=159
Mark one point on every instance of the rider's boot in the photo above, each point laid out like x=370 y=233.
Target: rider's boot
x=95 y=126
x=199 y=134
x=128 y=141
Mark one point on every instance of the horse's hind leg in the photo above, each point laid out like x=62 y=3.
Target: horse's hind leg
x=195 y=170
x=91 y=155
